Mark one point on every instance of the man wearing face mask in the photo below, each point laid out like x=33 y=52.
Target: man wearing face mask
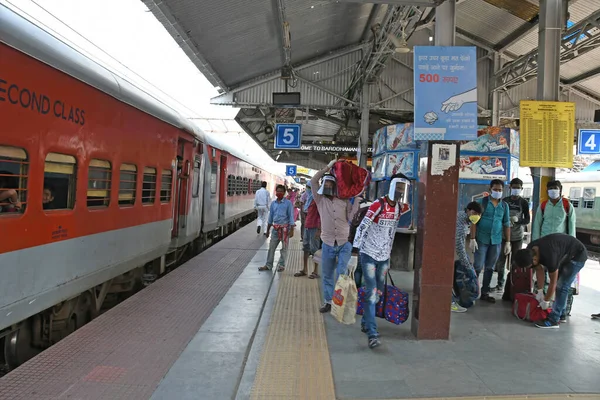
x=374 y=239
x=281 y=219
x=335 y=216
x=519 y=217
x=466 y=285
x=488 y=233
x=555 y=215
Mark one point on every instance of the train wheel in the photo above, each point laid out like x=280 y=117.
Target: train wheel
x=18 y=347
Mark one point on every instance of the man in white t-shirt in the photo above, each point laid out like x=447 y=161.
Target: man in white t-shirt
x=262 y=200
x=374 y=239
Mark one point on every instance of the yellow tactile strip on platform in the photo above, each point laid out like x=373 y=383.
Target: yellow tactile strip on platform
x=517 y=397
x=294 y=363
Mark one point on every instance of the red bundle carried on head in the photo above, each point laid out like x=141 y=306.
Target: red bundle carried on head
x=350 y=179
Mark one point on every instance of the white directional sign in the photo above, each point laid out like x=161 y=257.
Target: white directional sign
x=288 y=136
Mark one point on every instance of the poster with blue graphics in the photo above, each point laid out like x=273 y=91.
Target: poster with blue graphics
x=445 y=93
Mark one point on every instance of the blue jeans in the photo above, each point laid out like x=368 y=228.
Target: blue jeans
x=374 y=277
x=565 y=279
x=486 y=256
x=334 y=261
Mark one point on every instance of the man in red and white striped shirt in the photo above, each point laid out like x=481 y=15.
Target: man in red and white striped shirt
x=374 y=239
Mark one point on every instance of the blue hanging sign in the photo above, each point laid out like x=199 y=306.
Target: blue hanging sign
x=445 y=93
x=288 y=136
x=588 y=141
x=290 y=170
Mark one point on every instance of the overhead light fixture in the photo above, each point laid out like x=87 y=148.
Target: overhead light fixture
x=431 y=38
x=399 y=43
x=312 y=6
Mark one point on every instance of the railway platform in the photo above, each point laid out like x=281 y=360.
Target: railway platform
x=216 y=328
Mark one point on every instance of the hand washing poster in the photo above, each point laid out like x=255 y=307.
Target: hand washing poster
x=483 y=168
x=445 y=93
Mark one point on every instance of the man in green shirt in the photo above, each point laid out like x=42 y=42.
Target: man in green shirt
x=555 y=215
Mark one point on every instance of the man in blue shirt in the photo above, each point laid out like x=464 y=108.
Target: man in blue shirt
x=281 y=218
x=486 y=236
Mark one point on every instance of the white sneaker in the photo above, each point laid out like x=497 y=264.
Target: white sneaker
x=455 y=307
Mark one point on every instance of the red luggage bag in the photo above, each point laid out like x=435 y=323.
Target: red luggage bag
x=519 y=280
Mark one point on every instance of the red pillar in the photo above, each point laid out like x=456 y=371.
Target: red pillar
x=434 y=258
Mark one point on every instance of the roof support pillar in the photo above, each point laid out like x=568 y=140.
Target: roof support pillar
x=363 y=141
x=548 y=83
x=434 y=250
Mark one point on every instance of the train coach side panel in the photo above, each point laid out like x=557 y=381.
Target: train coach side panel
x=54 y=253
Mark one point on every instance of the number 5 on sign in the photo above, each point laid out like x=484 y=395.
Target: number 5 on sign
x=589 y=141
x=288 y=136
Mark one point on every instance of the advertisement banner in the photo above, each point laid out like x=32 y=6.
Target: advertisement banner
x=400 y=137
x=445 y=87
x=401 y=162
x=379 y=168
x=490 y=139
x=483 y=168
x=379 y=141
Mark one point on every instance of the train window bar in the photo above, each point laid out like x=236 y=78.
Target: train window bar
x=127 y=184
x=589 y=197
x=60 y=175
x=166 y=185
x=99 y=183
x=213 y=177
x=196 y=178
x=149 y=185
x=14 y=168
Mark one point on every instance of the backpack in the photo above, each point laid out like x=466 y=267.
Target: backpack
x=486 y=200
x=566 y=206
x=359 y=216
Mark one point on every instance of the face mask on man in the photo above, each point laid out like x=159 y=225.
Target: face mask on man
x=474 y=218
x=554 y=194
x=279 y=195
x=515 y=192
x=496 y=195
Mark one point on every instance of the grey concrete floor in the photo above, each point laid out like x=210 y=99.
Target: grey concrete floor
x=490 y=352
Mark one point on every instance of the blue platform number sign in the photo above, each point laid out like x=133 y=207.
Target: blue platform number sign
x=288 y=136
x=445 y=93
x=290 y=170
x=589 y=141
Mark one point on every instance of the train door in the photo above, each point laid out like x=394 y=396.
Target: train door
x=181 y=186
x=222 y=187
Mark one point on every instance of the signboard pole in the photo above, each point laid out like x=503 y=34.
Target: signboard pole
x=548 y=80
x=438 y=182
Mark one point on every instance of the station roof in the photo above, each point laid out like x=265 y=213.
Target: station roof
x=333 y=47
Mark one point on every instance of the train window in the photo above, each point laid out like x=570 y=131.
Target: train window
x=213 y=177
x=239 y=187
x=575 y=196
x=98 y=192
x=166 y=186
x=245 y=186
x=196 y=179
x=59 y=181
x=127 y=184
x=230 y=185
x=251 y=185
x=13 y=179
x=589 y=197
x=149 y=185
